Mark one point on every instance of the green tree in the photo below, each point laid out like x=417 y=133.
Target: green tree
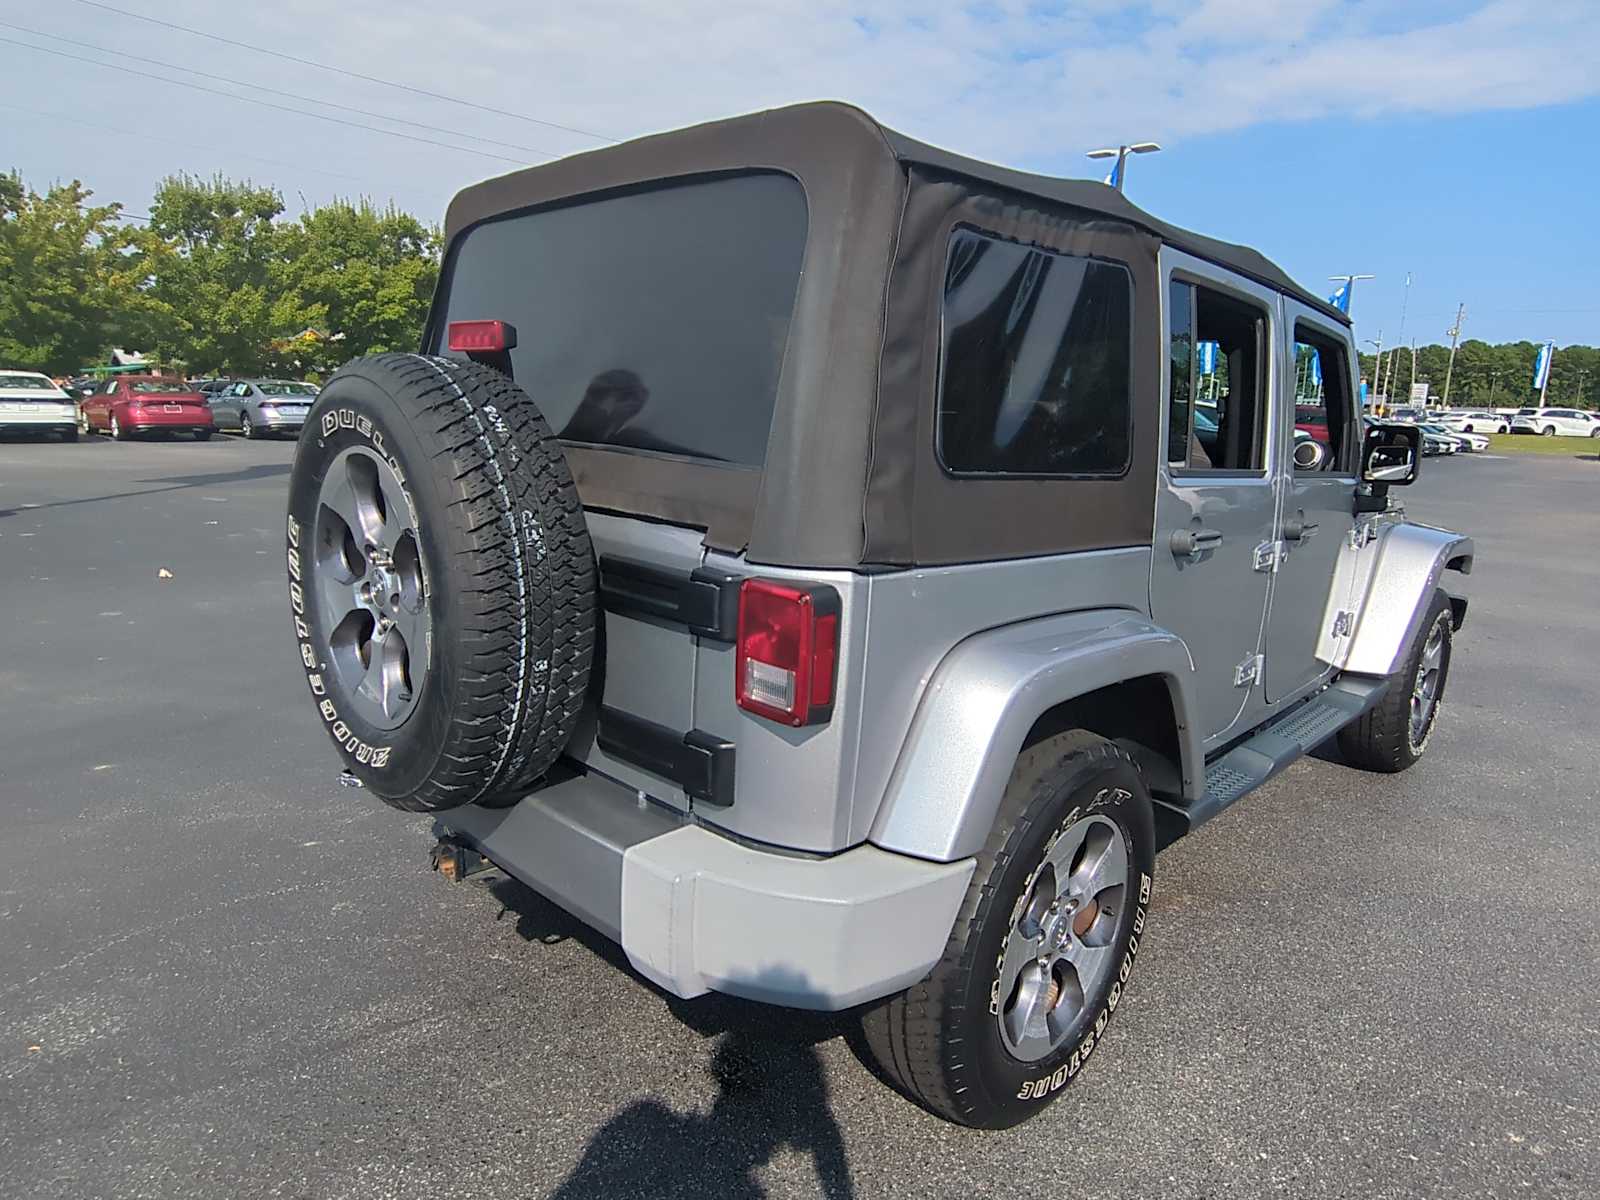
x=211 y=256
x=68 y=286
x=363 y=278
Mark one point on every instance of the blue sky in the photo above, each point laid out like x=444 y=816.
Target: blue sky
x=1275 y=114
x=1499 y=210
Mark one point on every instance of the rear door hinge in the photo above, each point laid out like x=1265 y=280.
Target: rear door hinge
x=1343 y=622
x=1269 y=555
x=1247 y=672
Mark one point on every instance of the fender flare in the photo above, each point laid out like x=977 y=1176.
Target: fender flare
x=984 y=697
x=1410 y=561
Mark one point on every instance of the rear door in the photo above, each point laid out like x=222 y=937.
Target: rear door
x=1215 y=502
x=1317 y=514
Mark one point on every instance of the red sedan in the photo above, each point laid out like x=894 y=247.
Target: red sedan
x=133 y=404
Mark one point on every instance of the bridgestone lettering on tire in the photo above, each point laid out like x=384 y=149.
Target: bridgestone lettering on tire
x=953 y=1042
x=441 y=580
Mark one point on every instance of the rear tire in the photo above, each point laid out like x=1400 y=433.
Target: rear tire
x=1549 y=431
x=118 y=434
x=957 y=1043
x=430 y=499
x=1390 y=737
x=246 y=429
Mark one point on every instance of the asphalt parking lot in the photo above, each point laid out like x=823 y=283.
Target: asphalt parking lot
x=221 y=974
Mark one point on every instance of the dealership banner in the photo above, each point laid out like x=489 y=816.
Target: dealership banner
x=1541 y=366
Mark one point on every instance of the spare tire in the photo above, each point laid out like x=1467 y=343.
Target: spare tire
x=441 y=580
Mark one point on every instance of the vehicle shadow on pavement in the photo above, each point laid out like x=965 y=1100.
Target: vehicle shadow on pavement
x=175 y=483
x=772 y=1094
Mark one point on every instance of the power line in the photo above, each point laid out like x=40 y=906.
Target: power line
x=278 y=91
x=37 y=112
x=300 y=112
x=321 y=66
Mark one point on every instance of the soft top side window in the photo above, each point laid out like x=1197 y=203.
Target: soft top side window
x=1323 y=399
x=1217 y=394
x=1035 y=361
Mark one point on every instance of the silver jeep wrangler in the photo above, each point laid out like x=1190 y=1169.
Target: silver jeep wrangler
x=834 y=568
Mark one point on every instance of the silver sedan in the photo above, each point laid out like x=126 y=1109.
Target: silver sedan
x=257 y=407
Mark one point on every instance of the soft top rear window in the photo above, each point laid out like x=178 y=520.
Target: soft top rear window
x=653 y=320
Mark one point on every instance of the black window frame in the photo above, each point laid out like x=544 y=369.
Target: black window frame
x=1264 y=335
x=938 y=391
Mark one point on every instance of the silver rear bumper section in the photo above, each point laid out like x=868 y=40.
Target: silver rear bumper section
x=698 y=912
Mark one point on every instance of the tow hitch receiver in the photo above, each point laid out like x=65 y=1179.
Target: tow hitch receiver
x=456 y=862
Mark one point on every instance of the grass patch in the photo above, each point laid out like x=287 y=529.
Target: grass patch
x=1532 y=443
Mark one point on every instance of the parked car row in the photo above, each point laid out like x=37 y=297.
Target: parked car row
x=1551 y=422
x=1547 y=422
x=1437 y=438
x=127 y=406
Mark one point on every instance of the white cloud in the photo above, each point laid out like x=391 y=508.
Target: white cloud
x=1023 y=81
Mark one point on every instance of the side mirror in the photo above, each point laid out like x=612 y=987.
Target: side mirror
x=1390 y=454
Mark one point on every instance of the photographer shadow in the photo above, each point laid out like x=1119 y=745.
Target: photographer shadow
x=772 y=1092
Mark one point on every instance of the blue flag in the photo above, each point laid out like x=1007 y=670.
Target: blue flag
x=1341 y=298
x=1316 y=370
x=1541 y=366
x=1208 y=357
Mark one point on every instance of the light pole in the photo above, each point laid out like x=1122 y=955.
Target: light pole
x=1349 y=282
x=1120 y=153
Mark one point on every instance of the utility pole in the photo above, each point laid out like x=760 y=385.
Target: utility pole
x=1582 y=371
x=1377 y=361
x=1494 y=385
x=1455 y=333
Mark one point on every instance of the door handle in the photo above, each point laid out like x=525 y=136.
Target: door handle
x=1192 y=543
x=1296 y=528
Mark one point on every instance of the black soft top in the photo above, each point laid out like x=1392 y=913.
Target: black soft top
x=799 y=128
x=852 y=427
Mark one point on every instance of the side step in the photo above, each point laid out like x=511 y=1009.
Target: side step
x=1245 y=767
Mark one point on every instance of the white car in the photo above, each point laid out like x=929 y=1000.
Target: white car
x=1475 y=421
x=1469 y=442
x=1549 y=422
x=32 y=403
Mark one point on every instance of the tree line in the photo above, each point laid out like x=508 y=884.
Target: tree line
x=218 y=280
x=1489 y=376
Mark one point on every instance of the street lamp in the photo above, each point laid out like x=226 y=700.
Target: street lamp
x=1120 y=153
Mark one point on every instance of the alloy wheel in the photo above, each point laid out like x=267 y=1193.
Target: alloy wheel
x=369 y=584
x=246 y=430
x=1060 y=948
x=1425 y=687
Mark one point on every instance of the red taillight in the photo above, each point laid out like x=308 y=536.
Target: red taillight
x=787 y=652
x=477 y=337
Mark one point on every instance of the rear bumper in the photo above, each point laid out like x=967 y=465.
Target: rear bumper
x=698 y=912
x=267 y=419
x=158 y=420
x=12 y=420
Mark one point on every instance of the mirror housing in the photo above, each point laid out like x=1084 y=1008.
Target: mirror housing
x=1390 y=456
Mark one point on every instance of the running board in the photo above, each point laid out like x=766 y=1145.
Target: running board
x=1245 y=767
